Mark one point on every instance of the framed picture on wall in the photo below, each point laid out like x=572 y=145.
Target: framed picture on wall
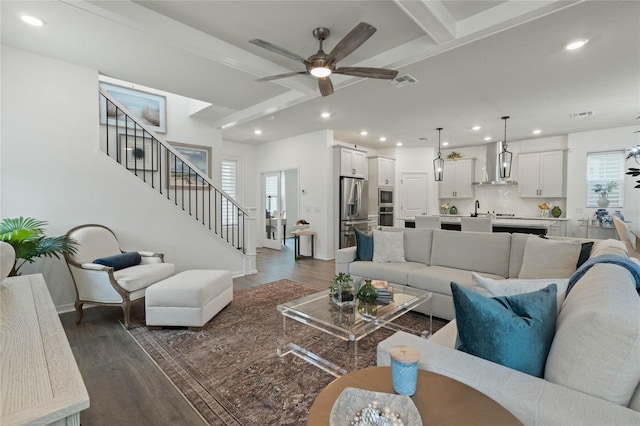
x=139 y=153
x=178 y=173
x=150 y=109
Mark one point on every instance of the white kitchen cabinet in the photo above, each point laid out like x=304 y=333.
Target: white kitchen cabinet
x=542 y=174
x=352 y=163
x=457 y=178
x=382 y=170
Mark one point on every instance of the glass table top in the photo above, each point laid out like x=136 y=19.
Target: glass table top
x=352 y=322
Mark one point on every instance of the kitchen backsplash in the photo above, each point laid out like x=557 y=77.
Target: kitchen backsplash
x=503 y=199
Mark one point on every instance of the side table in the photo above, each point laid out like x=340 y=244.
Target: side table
x=296 y=243
x=440 y=400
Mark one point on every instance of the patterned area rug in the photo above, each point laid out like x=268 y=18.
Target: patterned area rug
x=229 y=371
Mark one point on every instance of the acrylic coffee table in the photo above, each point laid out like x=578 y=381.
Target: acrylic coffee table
x=317 y=312
x=440 y=400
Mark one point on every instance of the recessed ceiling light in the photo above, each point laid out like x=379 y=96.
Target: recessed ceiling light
x=382 y=139
x=399 y=144
x=537 y=131
x=445 y=143
x=364 y=133
x=487 y=138
x=257 y=131
x=576 y=44
x=32 y=20
x=476 y=127
x=325 y=115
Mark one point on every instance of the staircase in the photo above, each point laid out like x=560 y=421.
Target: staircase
x=134 y=145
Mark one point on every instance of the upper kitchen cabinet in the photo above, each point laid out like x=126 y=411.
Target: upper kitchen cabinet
x=457 y=178
x=542 y=174
x=353 y=163
x=382 y=170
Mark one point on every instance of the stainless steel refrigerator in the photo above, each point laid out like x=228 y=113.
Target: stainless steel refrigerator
x=354 y=209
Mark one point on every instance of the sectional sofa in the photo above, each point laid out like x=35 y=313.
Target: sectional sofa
x=592 y=370
x=436 y=257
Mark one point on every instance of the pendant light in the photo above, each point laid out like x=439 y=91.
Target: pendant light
x=504 y=158
x=438 y=163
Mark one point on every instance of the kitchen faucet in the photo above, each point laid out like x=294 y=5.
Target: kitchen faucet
x=475 y=214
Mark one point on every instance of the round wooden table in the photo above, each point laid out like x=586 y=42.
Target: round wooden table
x=439 y=399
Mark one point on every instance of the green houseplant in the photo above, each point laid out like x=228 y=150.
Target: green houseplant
x=342 y=289
x=26 y=236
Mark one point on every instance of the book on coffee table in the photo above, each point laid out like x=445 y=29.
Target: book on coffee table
x=385 y=292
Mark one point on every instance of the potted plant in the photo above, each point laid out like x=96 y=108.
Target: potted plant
x=604 y=190
x=342 y=289
x=26 y=236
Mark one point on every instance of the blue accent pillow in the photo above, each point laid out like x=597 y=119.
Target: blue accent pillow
x=364 y=246
x=120 y=261
x=514 y=331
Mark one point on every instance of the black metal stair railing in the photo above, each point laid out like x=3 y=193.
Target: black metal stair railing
x=135 y=146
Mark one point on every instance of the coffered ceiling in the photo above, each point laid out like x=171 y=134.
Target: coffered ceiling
x=474 y=61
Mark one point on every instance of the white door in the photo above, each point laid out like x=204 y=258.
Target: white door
x=272 y=207
x=413 y=194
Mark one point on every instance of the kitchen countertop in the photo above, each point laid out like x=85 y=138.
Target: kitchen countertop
x=508 y=223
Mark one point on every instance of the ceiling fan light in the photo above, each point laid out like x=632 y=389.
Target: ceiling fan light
x=320 y=72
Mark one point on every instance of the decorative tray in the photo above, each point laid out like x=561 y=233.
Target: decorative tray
x=352 y=401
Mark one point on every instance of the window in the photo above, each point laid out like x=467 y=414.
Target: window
x=605 y=169
x=229 y=180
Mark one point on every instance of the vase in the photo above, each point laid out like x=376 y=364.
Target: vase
x=603 y=201
x=367 y=292
x=343 y=293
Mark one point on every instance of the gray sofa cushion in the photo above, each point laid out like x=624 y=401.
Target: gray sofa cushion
x=596 y=349
x=393 y=272
x=518 y=243
x=438 y=278
x=417 y=245
x=485 y=252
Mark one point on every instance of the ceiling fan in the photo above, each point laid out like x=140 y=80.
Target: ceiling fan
x=321 y=65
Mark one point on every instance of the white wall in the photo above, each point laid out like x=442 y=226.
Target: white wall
x=52 y=169
x=311 y=156
x=599 y=140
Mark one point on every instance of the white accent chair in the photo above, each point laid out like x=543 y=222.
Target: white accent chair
x=476 y=224
x=432 y=222
x=7 y=259
x=624 y=235
x=102 y=285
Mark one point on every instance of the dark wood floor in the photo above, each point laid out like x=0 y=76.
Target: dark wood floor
x=125 y=387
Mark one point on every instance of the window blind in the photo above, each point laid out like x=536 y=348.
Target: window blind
x=229 y=180
x=602 y=169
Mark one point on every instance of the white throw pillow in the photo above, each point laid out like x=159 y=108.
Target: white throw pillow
x=549 y=258
x=388 y=246
x=496 y=288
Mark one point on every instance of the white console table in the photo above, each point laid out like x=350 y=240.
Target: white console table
x=40 y=383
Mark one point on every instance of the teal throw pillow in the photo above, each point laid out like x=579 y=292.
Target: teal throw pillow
x=515 y=331
x=120 y=261
x=364 y=246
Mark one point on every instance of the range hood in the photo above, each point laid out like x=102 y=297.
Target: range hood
x=492 y=174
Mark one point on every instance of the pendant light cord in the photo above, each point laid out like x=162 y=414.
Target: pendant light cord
x=504 y=142
x=439 y=129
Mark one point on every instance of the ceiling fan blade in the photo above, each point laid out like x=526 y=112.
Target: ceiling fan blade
x=325 y=85
x=367 y=72
x=288 y=74
x=277 y=49
x=351 y=41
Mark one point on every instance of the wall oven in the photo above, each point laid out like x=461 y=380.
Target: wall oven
x=385 y=196
x=385 y=216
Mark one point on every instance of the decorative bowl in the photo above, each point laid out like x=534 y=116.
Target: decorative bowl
x=352 y=400
x=302 y=226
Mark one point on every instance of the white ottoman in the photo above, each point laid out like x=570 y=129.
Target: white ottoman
x=188 y=299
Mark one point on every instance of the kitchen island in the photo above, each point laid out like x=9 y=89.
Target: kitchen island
x=538 y=226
